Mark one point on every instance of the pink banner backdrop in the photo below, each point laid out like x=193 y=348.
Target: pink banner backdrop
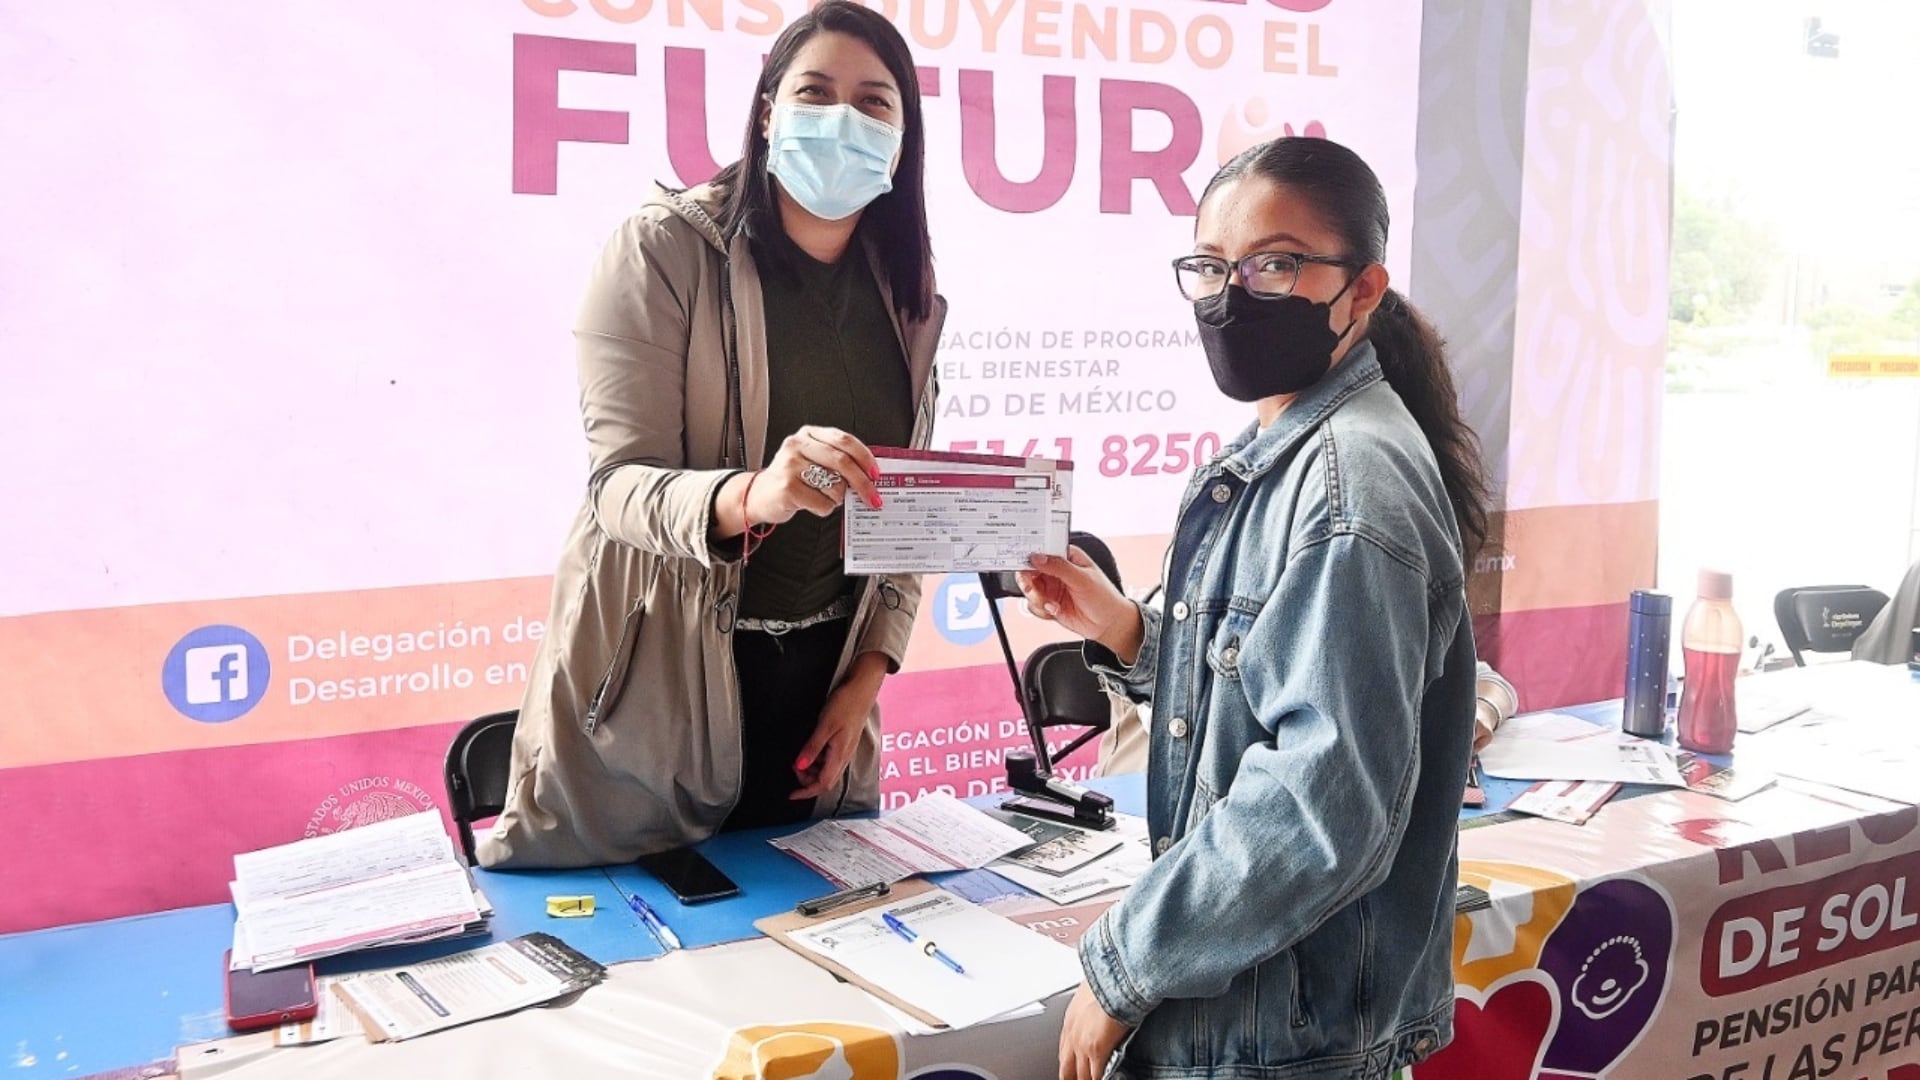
x=1590 y=342
x=290 y=415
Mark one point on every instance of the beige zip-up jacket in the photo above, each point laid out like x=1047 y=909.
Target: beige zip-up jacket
x=628 y=740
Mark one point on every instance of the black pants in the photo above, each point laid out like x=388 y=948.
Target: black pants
x=784 y=684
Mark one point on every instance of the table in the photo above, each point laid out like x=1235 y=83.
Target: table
x=76 y=1000
x=1675 y=935
x=164 y=968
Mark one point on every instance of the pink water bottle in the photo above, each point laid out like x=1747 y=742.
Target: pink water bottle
x=1710 y=640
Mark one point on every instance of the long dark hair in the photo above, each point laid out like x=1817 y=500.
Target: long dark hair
x=897 y=221
x=1348 y=197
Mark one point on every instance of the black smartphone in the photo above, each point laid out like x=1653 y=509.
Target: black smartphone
x=260 y=999
x=688 y=873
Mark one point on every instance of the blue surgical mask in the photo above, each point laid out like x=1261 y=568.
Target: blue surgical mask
x=833 y=159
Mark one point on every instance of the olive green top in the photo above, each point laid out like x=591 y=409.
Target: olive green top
x=833 y=360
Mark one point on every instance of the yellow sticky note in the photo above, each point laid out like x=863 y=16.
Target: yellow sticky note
x=569 y=907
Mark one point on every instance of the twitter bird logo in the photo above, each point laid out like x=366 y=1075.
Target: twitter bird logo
x=965 y=608
x=960 y=610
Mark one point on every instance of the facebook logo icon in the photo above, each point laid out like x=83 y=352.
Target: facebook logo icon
x=215 y=674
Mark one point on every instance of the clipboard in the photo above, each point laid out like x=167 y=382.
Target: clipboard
x=780 y=928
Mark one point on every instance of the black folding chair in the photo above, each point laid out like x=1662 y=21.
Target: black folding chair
x=477 y=769
x=1055 y=688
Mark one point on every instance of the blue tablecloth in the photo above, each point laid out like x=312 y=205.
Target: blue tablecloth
x=83 y=999
x=88 y=998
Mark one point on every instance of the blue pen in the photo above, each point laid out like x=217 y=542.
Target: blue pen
x=927 y=947
x=655 y=925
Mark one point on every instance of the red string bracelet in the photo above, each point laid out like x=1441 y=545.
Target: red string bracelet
x=754 y=533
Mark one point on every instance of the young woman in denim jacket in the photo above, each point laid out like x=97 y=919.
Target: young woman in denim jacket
x=1311 y=672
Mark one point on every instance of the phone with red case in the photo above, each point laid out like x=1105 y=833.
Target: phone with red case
x=263 y=999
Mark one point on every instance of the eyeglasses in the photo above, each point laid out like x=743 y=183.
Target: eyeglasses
x=1269 y=275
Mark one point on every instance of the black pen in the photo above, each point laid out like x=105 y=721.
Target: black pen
x=820 y=904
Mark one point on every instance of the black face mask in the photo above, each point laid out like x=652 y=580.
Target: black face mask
x=1261 y=348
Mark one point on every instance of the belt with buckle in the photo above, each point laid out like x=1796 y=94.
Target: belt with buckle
x=839 y=609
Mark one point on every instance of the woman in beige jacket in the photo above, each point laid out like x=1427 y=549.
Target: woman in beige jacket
x=708 y=663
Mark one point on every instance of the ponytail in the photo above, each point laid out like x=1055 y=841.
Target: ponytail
x=1351 y=202
x=1414 y=360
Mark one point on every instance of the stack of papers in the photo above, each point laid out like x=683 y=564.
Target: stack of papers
x=1006 y=967
x=333 y=1020
x=390 y=883
x=400 y=1003
x=1874 y=757
x=1058 y=848
x=1721 y=781
x=937 y=833
x=1847 y=725
x=1760 y=703
x=1117 y=867
x=1554 y=746
x=959 y=513
x=1574 y=802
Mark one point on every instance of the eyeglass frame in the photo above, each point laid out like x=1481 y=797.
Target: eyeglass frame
x=1238 y=267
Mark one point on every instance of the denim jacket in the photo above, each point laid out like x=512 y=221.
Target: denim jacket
x=1312 y=682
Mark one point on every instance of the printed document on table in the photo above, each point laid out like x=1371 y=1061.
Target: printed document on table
x=1572 y=802
x=836 y=854
x=1058 y=848
x=1877 y=697
x=1007 y=966
x=382 y=884
x=1873 y=753
x=394 y=846
x=1550 y=726
x=931 y=835
x=1551 y=747
x=1117 y=869
x=1760 y=703
x=962 y=835
x=333 y=1021
x=402 y=1002
x=288 y=931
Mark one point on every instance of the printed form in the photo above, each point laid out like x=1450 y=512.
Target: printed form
x=403 y=1002
x=959 y=513
x=1554 y=746
x=933 y=835
x=1118 y=868
x=380 y=884
x=1007 y=966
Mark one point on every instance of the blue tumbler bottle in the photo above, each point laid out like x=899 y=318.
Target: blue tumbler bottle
x=1649 y=636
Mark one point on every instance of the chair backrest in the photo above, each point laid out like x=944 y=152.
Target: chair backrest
x=1061 y=692
x=1059 y=689
x=478 y=763
x=1824 y=618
